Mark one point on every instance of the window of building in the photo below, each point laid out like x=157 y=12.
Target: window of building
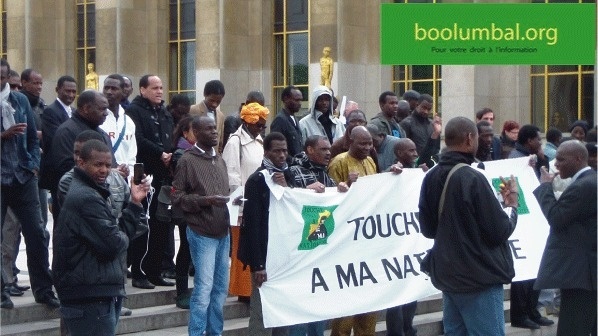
x=86 y=40
x=181 y=45
x=562 y=94
x=3 y=29
x=291 y=49
x=421 y=78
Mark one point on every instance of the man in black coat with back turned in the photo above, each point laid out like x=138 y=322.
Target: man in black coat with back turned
x=153 y=132
x=470 y=260
x=569 y=259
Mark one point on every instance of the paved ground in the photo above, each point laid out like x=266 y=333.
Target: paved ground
x=180 y=331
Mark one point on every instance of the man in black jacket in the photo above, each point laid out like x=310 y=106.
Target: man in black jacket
x=90 y=243
x=153 y=132
x=470 y=260
x=253 y=241
x=423 y=130
x=286 y=122
x=91 y=113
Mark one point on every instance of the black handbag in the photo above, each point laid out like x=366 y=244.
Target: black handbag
x=166 y=212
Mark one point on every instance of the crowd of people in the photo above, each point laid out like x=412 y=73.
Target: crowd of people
x=109 y=225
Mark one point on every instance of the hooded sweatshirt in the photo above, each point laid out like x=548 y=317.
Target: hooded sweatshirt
x=311 y=124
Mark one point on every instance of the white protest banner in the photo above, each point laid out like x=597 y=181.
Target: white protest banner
x=361 y=259
x=339 y=254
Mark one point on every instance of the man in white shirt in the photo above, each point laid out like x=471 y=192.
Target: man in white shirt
x=119 y=126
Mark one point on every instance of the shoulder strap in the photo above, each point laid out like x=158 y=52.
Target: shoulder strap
x=120 y=136
x=441 y=203
x=240 y=147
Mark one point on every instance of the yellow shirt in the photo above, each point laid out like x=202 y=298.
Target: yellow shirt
x=343 y=164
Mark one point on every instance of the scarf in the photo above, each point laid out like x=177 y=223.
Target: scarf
x=33 y=100
x=8 y=112
x=302 y=160
x=272 y=168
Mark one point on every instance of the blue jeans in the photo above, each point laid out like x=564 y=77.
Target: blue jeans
x=477 y=313
x=310 y=329
x=93 y=318
x=210 y=259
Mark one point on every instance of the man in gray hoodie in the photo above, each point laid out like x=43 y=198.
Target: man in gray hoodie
x=320 y=120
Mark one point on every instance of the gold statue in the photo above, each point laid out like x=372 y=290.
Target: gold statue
x=92 y=80
x=326 y=67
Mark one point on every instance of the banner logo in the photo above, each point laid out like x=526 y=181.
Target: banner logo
x=522 y=209
x=318 y=226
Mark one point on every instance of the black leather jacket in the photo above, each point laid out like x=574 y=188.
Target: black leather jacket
x=90 y=243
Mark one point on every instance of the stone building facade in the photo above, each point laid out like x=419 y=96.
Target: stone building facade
x=267 y=44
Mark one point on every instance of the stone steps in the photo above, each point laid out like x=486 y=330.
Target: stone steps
x=154 y=313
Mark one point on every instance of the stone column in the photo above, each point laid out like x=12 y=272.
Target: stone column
x=132 y=39
x=234 y=43
x=40 y=37
x=504 y=89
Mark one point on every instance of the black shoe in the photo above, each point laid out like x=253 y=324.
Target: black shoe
x=527 y=324
x=543 y=321
x=142 y=283
x=49 y=299
x=21 y=288
x=169 y=274
x=6 y=301
x=160 y=281
x=13 y=291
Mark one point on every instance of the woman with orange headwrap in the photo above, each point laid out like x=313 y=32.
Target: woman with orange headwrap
x=243 y=154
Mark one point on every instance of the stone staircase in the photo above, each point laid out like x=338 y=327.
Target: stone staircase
x=154 y=313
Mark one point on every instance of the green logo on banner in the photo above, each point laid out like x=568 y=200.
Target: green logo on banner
x=318 y=226
x=522 y=209
x=488 y=33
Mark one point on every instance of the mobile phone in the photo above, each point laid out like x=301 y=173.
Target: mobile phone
x=138 y=173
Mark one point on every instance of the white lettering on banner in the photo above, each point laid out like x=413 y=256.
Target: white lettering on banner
x=361 y=251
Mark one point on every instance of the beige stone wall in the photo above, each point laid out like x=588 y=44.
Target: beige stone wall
x=505 y=89
x=40 y=36
x=234 y=45
x=352 y=29
x=132 y=39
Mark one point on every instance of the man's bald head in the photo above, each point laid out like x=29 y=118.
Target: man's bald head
x=350 y=106
x=406 y=152
x=461 y=134
x=361 y=143
x=360 y=131
x=403 y=143
x=403 y=109
x=571 y=157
